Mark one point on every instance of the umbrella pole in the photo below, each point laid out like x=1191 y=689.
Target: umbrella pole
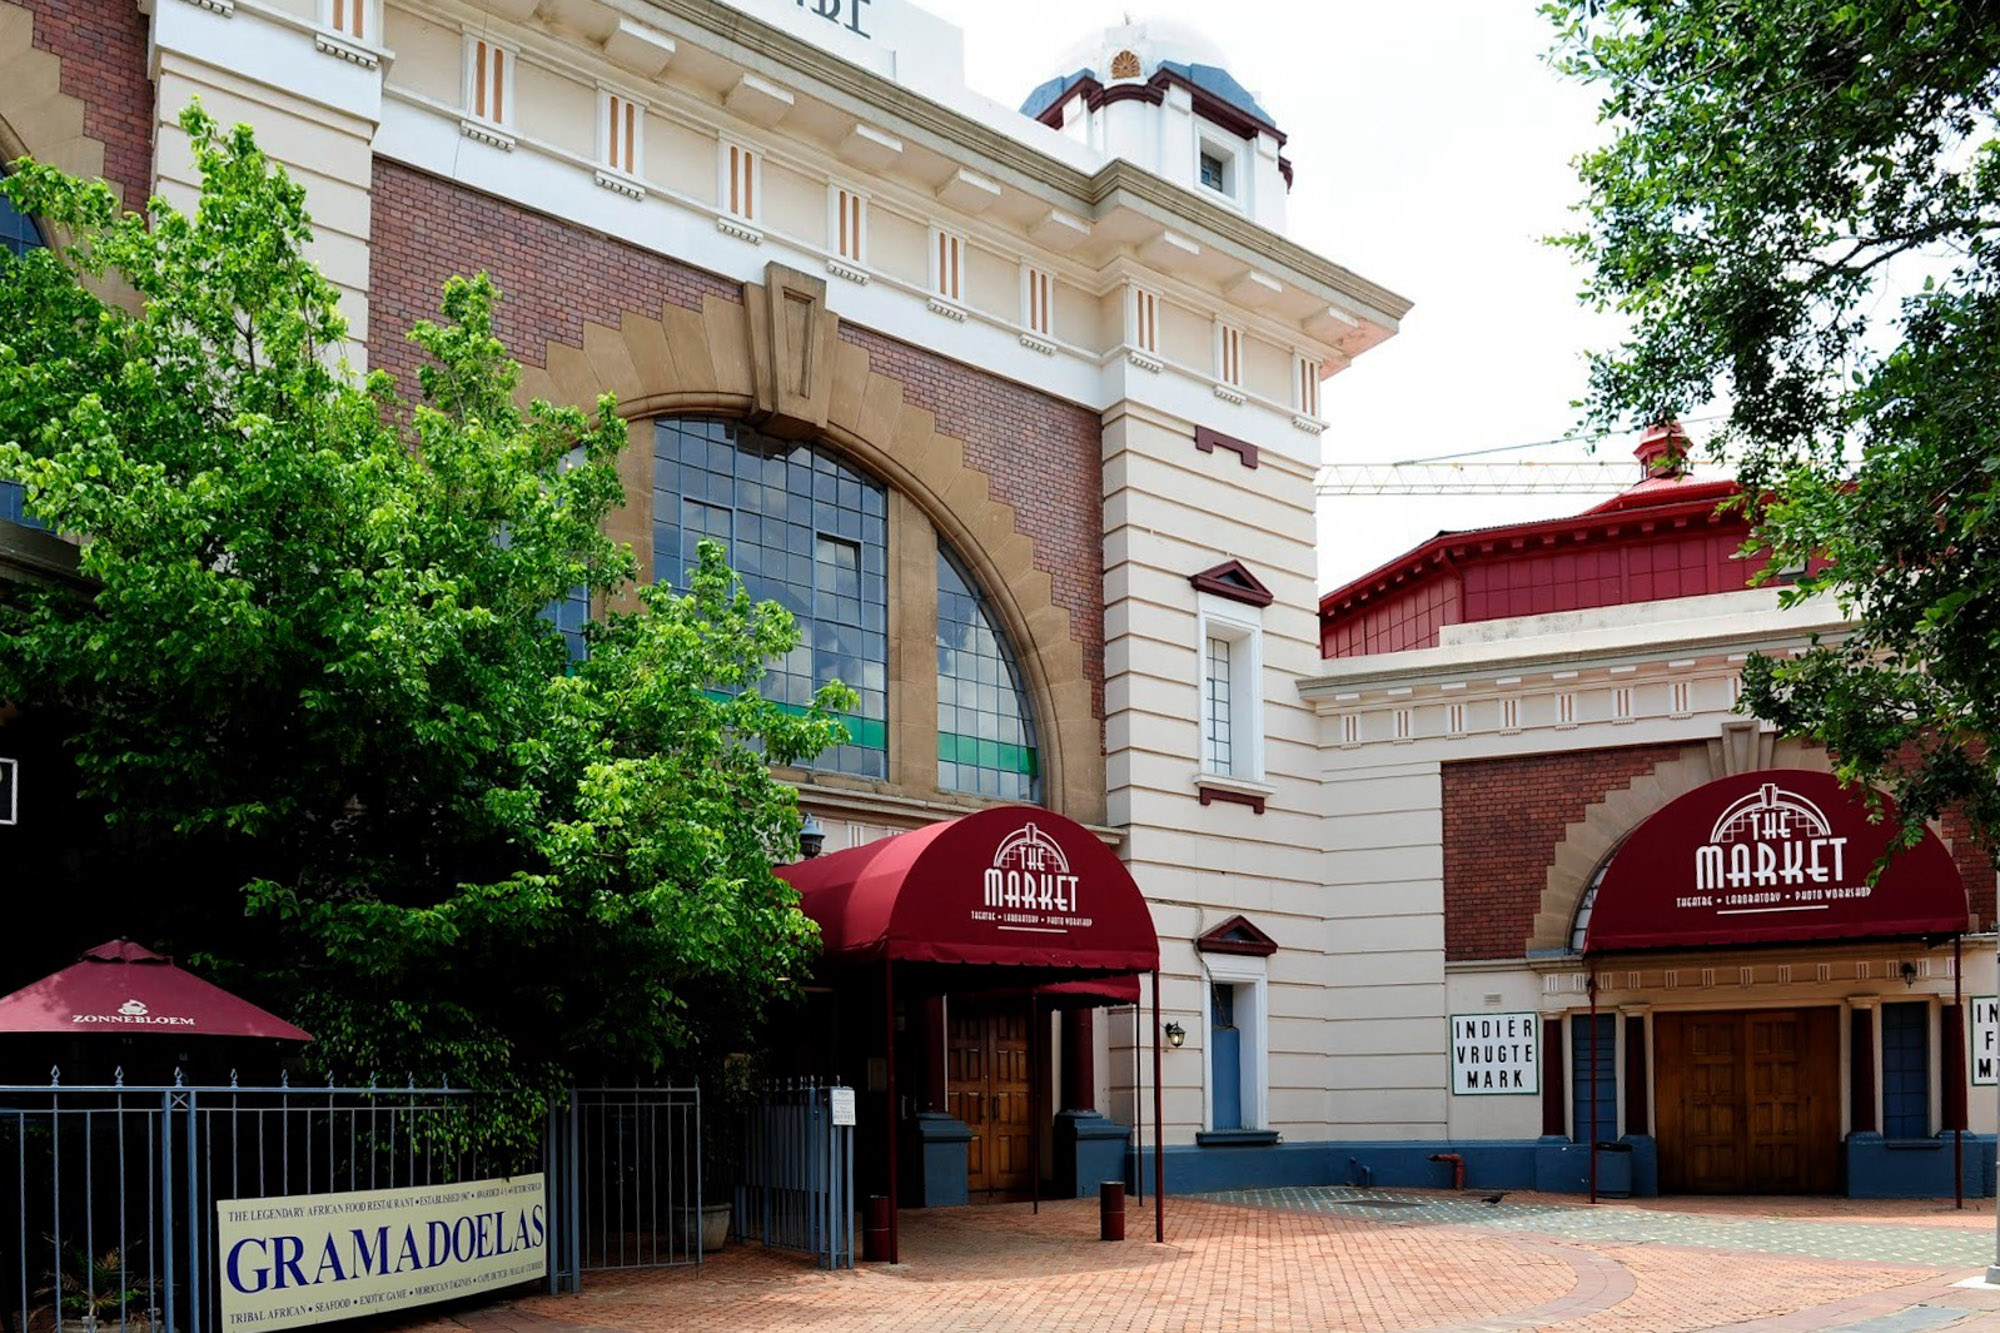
x=1138 y=1102
x=889 y=1049
x=1159 y=1137
x=1958 y=1094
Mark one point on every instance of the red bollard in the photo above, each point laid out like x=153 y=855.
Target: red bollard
x=875 y=1230
x=1111 y=1210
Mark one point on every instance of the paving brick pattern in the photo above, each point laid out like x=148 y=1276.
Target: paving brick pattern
x=1943 y=1246
x=1328 y=1259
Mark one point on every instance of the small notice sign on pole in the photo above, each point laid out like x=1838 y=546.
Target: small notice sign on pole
x=841 y=1101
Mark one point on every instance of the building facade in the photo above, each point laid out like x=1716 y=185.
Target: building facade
x=1592 y=902
x=1016 y=408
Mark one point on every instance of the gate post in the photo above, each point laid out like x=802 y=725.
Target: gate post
x=167 y=1197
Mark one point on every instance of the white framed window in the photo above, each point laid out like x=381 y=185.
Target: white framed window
x=1217 y=167
x=1228 y=355
x=489 y=80
x=847 y=223
x=1305 y=386
x=947 y=271
x=740 y=181
x=1232 y=703
x=1236 y=997
x=1038 y=291
x=621 y=131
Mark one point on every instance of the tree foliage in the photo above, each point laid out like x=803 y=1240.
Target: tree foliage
x=313 y=646
x=1798 y=210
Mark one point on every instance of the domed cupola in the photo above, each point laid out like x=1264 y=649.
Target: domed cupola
x=1161 y=96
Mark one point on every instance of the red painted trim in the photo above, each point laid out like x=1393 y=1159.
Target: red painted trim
x=1285 y=170
x=1208 y=441
x=1233 y=580
x=1210 y=795
x=1218 y=941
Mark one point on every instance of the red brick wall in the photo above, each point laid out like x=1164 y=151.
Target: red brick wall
x=1041 y=455
x=551 y=274
x=1975 y=867
x=1502 y=821
x=102 y=44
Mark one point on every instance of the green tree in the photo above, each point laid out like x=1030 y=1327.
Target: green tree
x=1798 y=209
x=313 y=658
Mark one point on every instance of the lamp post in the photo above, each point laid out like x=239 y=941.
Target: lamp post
x=812 y=838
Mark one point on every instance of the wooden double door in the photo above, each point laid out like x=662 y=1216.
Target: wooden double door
x=1748 y=1102
x=989 y=1072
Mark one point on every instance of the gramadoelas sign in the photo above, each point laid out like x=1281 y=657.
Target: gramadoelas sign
x=313 y=1258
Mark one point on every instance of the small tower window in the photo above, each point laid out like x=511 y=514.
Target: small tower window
x=1213 y=172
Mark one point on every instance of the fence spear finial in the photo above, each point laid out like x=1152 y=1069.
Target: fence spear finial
x=232 y=1078
x=118 y=1077
x=179 y=1081
x=55 y=1076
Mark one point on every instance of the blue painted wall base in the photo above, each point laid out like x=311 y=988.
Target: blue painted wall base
x=1090 y=1149
x=935 y=1154
x=1872 y=1169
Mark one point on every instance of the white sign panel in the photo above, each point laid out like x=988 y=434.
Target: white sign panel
x=842 y=1102
x=1985 y=1062
x=312 y=1258
x=1495 y=1054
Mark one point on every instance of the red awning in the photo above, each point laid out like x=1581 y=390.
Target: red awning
x=1771 y=857
x=1013 y=886
x=121 y=987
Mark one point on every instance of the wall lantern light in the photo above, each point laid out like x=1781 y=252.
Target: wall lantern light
x=1909 y=972
x=1176 y=1035
x=812 y=838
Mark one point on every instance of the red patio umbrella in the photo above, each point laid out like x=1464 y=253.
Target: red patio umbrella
x=123 y=987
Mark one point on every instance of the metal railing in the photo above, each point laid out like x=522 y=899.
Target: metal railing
x=625 y=1182
x=795 y=1187
x=114 y=1219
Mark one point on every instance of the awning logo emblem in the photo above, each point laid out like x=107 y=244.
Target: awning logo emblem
x=1030 y=871
x=133 y=1009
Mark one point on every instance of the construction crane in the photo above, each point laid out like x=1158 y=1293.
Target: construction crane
x=1577 y=477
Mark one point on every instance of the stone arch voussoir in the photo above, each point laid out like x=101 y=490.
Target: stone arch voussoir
x=684 y=361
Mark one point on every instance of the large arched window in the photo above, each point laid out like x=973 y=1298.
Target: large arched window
x=804 y=529
x=18 y=235
x=986 y=728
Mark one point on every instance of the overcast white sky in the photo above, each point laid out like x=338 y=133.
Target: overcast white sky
x=1432 y=149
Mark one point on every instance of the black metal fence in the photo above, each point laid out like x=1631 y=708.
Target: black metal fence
x=625 y=1184
x=795 y=1186
x=113 y=1223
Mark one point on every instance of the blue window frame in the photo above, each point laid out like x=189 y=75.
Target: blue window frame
x=1607 y=1077
x=986 y=727
x=1906 y=1070
x=804 y=529
x=18 y=235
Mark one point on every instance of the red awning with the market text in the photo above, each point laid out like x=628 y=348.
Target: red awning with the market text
x=1771 y=857
x=1013 y=886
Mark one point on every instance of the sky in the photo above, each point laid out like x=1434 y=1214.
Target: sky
x=1432 y=149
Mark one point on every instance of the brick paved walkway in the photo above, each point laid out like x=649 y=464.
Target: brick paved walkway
x=1327 y=1260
